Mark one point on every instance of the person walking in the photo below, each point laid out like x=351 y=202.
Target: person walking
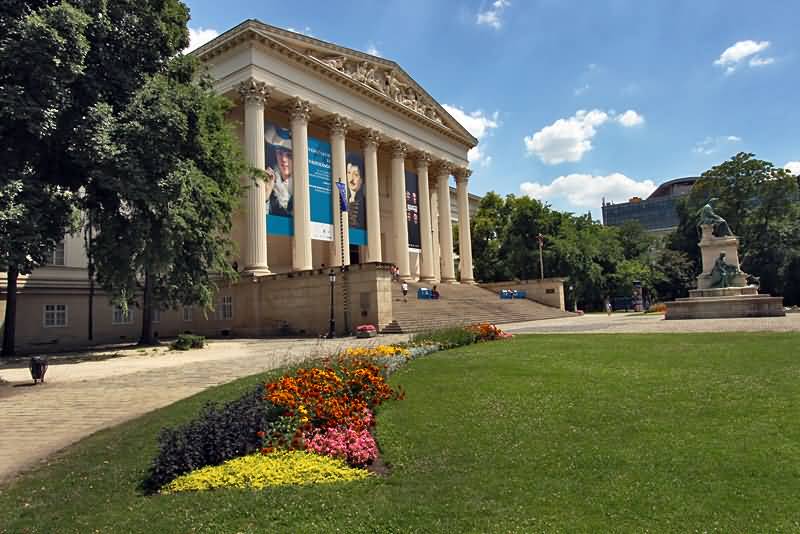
x=404 y=287
x=608 y=306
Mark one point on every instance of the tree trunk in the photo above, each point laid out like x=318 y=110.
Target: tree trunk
x=10 y=325
x=147 y=312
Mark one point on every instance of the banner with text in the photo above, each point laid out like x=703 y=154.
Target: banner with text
x=280 y=184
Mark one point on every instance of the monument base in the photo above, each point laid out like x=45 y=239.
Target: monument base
x=723 y=303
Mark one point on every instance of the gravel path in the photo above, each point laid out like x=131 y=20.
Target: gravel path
x=78 y=399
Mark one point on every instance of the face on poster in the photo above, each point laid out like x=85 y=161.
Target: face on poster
x=356 y=191
x=279 y=180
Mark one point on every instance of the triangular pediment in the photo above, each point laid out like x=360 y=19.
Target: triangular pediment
x=377 y=74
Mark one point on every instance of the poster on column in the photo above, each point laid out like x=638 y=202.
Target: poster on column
x=280 y=184
x=412 y=212
x=321 y=189
x=356 y=199
x=279 y=181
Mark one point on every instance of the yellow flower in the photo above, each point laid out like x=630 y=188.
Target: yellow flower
x=258 y=471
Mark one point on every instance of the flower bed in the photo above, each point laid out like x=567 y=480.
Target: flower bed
x=258 y=471
x=300 y=422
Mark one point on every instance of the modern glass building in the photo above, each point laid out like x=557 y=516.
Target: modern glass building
x=657 y=213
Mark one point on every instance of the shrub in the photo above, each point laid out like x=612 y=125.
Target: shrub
x=657 y=308
x=188 y=341
x=487 y=332
x=219 y=433
x=258 y=471
x=446 y=338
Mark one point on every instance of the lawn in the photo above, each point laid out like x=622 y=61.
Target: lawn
x=585 y=433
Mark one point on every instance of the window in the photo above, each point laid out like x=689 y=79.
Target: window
x=156 y=315
x=187 y=313
x=54 y=315
x=56 y=256
x=225 y=309
x=121 y=316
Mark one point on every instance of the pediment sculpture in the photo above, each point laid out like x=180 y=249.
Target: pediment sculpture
x=384 y=80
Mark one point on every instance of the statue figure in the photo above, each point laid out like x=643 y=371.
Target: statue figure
x=722 y=272
x=720 y=227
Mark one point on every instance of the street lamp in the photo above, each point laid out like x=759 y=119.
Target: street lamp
x=332 y=328
x=540 y=239
x=574 y=299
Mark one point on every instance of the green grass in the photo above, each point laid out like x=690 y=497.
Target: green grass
x=589 y=433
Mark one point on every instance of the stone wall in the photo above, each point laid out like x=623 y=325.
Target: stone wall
x=549 y=291
x=282 y=304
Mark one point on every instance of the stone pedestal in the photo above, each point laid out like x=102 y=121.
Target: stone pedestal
x=737 y=300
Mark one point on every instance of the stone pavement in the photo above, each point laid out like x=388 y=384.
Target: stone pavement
x=79 y=399
x=635 y=323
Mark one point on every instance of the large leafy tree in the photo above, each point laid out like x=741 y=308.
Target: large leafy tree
x=63 y=62
x=165 y=195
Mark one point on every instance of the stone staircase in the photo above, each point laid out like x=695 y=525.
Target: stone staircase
x=459 y=305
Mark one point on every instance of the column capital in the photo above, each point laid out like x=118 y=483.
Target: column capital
x=462 y=174
x=423 y=160
x=299 y=109
x=399 y=150
x=443 y=168
x=338 y=125
x=371 y=138
x=253 y=91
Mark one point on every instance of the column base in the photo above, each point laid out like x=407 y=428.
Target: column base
x=260 y=270
x=449 y=281
x=469 y=282
x=428 y=280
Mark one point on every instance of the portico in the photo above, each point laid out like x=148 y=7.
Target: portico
x=391 y=146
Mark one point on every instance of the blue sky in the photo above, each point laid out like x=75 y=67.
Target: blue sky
x=576 y=100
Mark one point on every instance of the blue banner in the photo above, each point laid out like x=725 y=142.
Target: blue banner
x=342 y=196
x=320 y=185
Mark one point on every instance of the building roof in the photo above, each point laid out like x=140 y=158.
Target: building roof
x=672 y=187
x=375 y=77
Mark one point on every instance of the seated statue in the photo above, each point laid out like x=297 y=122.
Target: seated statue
x=722 y=272
x=720 y=227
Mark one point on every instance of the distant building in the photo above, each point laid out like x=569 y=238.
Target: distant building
x=657 y=213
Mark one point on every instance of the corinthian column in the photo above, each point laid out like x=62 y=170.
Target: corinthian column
x=340 y=247
x=300 y=113
x=426 y=271
x=399 y=210
x=445 y=226
x=437 y=262
x=464 y=233
x=371 y=141
x=254 y=96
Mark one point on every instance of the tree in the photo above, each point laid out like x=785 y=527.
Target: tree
x=166 y=195
x=62 y=62
x=487 y=230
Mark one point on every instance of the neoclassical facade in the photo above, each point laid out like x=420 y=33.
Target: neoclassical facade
x=352 y=164
x=361 y=106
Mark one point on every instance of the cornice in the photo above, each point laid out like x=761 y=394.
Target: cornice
x=254 y=31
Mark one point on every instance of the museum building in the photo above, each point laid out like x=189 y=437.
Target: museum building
x=357 y=161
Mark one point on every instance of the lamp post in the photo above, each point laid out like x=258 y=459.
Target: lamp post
x=540 y=239
x=332 y=328
x=574 y=298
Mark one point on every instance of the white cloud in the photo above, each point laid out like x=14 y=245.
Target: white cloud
x=305 y=31
x=373 y=50
x=580 y=90
x=479 y=125
x=630 y=118
x=493 y=15
x=587 y=191
x=793 y=167
x=736 y=54
x=710 y=145
x=199 y=36
x=569 y=139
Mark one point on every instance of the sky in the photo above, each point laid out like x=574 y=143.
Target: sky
x=574 y=101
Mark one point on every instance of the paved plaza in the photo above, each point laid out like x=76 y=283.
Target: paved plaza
x=638 y=323
x=82 y=398
x=79 y=399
